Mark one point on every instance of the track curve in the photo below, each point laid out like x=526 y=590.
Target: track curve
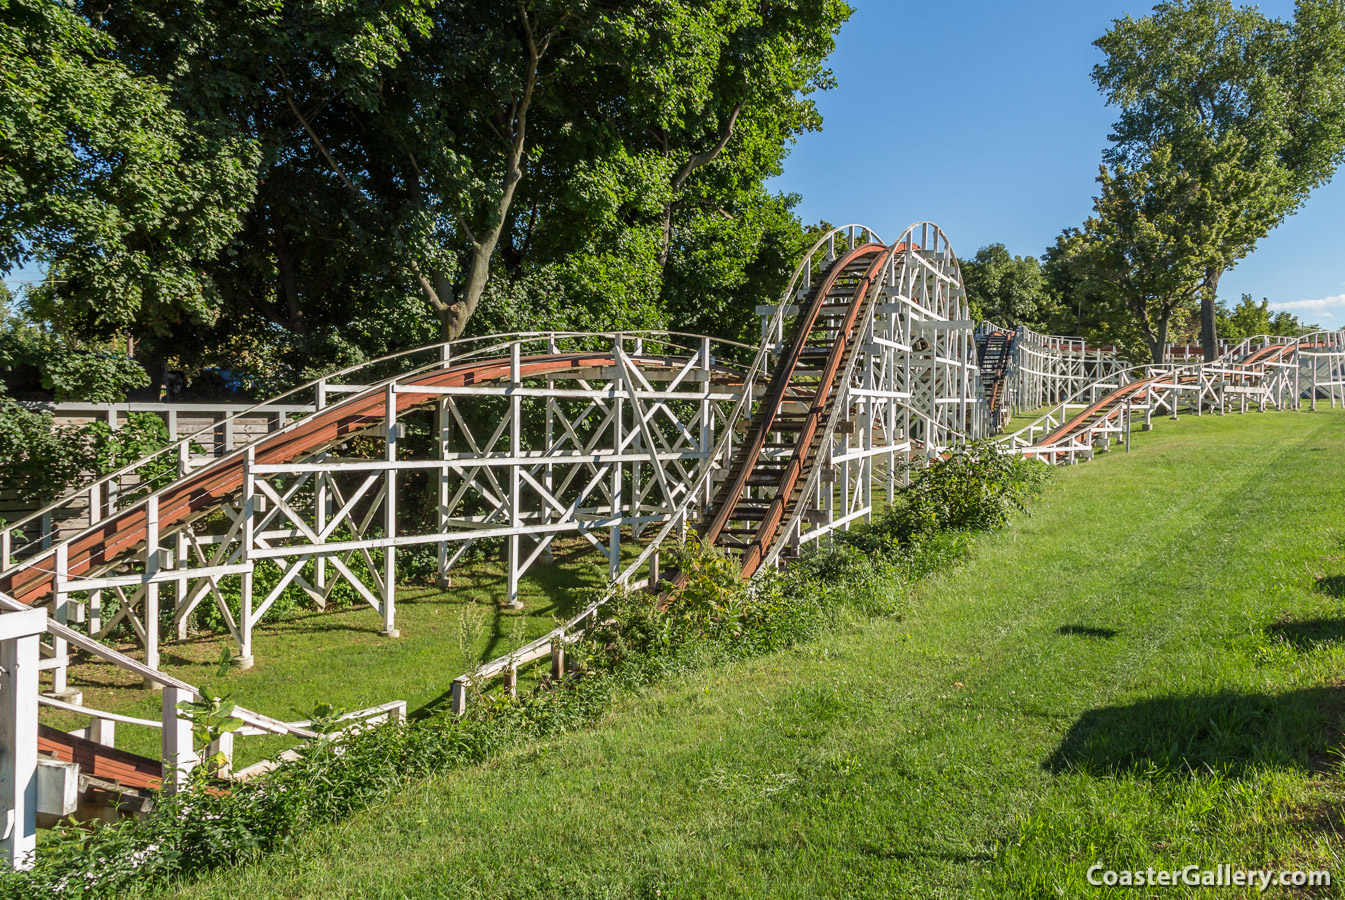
x=760 y=487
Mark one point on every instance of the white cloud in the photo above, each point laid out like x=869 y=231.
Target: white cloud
x=1313 y=305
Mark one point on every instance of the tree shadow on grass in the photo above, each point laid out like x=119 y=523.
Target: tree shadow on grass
x=1332 y=585
x=1309 y=634
x=1224 y=732
x=1087 y=631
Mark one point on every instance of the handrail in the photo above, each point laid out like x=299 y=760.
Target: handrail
x=1174 y=369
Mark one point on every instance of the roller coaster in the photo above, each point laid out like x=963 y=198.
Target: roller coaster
x=869 y=364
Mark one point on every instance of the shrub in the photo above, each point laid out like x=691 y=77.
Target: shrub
x=975 y=488
x=99 y=377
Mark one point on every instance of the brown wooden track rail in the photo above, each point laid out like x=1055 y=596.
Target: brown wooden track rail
x=997 y=376
x=827 y=328
x=120 y=536
x=108 y=763
x=1106 y=405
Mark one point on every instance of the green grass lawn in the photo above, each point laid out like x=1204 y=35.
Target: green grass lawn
x=1146 y=672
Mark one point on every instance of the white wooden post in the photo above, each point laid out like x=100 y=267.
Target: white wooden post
x=61 y=613
x=321 y=511
x=222 y=745
x=515 y=481
x=180 y=552
x=18 y=734
x=549 y=472
x=558 y=659
x=322 y=501
x=179 y=756
x=457 y=697
x=707 y=435
x=248 y=511
x=151 y=607
x=390 y=519
x=443 y=420
x=618 y=443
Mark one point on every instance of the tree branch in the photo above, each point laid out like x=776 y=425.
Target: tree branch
x=340 y=173
x=703 y=159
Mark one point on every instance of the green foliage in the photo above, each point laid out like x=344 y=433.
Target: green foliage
x=212 y=713
x=38 y=461
x=1249 y=319
x=976 y=487
x=94 y=377
x=1228 y=120
x=1136 y=257
x=595 y=166
x=142 y=434
x=1006 y=289
x=718 y=617
x=118 y=193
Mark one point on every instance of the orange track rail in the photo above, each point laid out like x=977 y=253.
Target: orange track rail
x=121 y=535
x=108 y=763
x=1104 y=405
x=786 y=387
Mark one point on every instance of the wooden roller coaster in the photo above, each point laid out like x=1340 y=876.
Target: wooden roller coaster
x=869 y=361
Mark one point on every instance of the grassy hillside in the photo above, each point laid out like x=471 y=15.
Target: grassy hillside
x=1147 y=672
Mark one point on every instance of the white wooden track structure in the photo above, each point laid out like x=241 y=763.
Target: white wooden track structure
x=868 y=363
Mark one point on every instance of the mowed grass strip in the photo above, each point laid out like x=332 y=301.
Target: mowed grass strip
x=1146 y=672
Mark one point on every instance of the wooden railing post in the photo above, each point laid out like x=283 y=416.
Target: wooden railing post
x=457 y=696
x=179 y=756
x=390 y=517
x=19 y=633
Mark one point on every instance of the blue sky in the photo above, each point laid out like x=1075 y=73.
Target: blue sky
x=981 y=116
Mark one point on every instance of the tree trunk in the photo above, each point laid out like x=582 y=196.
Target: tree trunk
x=1159 y=342
x=285 y=266
x=1209 y=332
x=694 y=162
x=153 y=361
x=439 y=292
x=483 y=248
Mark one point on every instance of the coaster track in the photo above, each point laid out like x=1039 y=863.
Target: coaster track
x=867 y=363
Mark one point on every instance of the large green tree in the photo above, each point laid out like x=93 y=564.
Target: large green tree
x=1008 y=289
x=102 y=181
x=1135 y=256
x=1252 y=319
x=1249 y=109
x=430 y=167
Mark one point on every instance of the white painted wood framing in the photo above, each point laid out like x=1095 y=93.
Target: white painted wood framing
x=909 y=395
x=621 y=449
x=912 y=391
x=19 y=634
x=1049 y=368
x=633 y=444
x=1315 y=369
x=586 y=451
